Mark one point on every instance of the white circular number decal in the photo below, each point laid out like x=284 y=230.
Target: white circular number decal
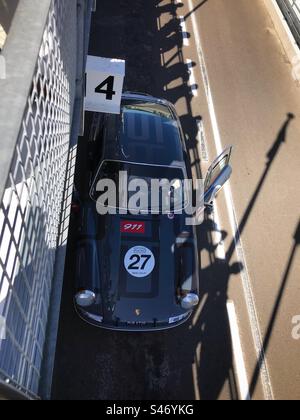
x=139 y=261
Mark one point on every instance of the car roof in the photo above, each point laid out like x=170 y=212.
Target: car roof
x=147 y=131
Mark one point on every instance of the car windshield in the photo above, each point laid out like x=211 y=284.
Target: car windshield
x=159 y=188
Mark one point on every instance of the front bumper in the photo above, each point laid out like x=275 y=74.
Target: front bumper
x=131 y=327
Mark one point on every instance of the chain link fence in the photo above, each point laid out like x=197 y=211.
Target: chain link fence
x=37 y=174
x=291 y=11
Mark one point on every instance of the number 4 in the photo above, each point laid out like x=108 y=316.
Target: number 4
x=109 y=92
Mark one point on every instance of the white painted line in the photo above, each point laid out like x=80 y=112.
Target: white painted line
x=220 y=252
x=211 y=106
x=193 y=84
x=249 y=296
x=247 y=287
x=184 y=31
x=199 y=310
x=195 y=381
x=241 y=372
x=240 y=367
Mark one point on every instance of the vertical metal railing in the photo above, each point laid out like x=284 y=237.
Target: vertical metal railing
x=291 y=11
x=44 y=113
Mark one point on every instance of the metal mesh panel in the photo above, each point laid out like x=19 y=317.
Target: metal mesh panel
x=291 y=11
x=295 y=5
x=31 y=207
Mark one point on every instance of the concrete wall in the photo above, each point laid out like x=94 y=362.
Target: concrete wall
x=7 y=11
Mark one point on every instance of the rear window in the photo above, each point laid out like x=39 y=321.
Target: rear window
x=148 y=133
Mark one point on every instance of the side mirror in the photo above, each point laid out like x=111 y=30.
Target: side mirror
x=218 y=174
x=218 y=183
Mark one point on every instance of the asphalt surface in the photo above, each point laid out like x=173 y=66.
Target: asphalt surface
x=253 y=93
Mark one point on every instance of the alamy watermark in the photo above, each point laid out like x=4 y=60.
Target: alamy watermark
x=139 y=196
x=2 y=67
x=2 y=328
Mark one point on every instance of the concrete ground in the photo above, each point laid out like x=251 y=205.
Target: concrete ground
x=7 y=11
x=239 y=84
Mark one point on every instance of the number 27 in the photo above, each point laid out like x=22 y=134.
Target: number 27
x=137 y=258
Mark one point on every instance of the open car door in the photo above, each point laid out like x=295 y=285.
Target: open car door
x=217 y=176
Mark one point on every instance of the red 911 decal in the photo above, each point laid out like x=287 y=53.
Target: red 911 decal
x=133 y=227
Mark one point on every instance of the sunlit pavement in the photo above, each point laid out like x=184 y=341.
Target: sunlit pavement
x=227 y=73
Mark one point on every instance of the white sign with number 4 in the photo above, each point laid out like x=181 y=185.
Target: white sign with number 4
x=104 y=84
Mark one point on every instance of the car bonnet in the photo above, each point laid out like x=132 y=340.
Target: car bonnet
x=139 y=273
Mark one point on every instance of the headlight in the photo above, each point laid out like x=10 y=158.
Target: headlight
x=189 y=301
x=85 y=298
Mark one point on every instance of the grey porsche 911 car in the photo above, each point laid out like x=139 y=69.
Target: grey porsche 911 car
x=140 y=271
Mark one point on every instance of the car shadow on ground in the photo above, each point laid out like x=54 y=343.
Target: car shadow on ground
x=193 y=361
